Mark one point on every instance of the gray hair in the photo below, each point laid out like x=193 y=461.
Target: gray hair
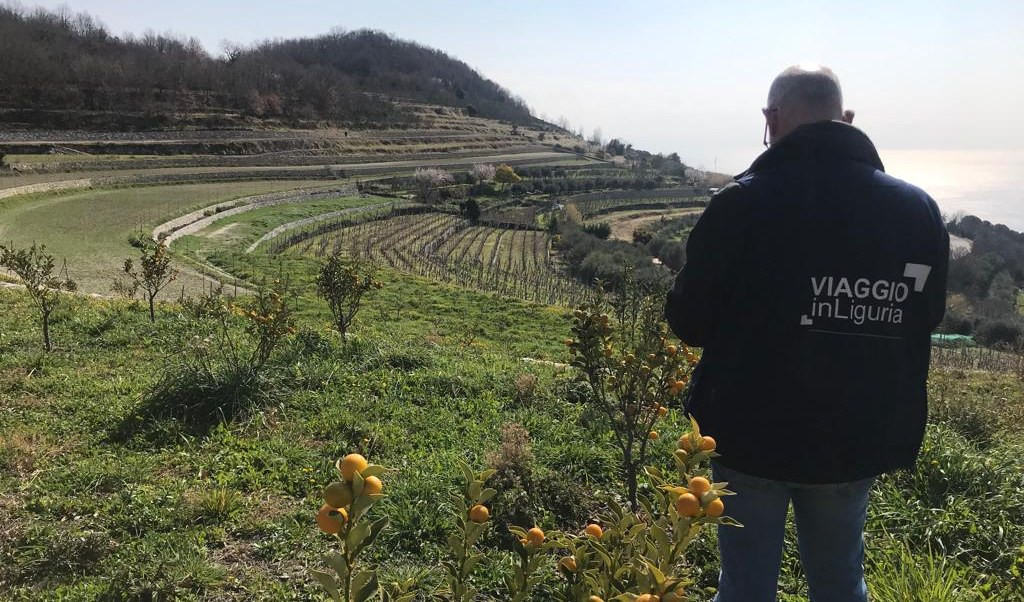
x=806 y=94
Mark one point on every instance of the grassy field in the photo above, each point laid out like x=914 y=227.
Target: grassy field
x=110 y=491
x=105 y=499
x=91 y=229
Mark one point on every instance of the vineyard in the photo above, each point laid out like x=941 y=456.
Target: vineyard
x=515 y=263
x=592 y=207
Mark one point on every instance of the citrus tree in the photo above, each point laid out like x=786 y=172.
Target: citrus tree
x=154 y=274
x=628 y=369
x=472 y=519
x=639 y=556
x=34 y=268
x=342 y=283
x=344 y=515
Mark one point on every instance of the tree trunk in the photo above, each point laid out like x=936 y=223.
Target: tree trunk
x=46 y=331
x=631 y=485
x=152 y=315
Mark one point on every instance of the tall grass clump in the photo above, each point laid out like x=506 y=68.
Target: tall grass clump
x=899 y=575
x=221 y=360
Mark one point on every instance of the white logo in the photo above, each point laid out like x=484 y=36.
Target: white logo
x=919 y=272
x=862 y=300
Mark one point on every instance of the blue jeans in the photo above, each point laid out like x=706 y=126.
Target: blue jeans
x=830 y=532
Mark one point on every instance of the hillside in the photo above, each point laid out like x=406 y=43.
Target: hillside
x=67 y=71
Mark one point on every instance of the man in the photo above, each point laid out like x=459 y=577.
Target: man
x=812 y=282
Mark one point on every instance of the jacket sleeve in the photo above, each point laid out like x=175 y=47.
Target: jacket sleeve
x=704 y=285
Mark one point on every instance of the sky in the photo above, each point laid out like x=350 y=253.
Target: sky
x=679 y=76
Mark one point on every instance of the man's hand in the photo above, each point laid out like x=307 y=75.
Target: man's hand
x=848 y=116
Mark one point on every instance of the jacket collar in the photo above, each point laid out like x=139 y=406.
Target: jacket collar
x=834 y=139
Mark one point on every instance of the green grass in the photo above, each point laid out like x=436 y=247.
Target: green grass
x=238 y=231
x=91 y=511
x=90 y=229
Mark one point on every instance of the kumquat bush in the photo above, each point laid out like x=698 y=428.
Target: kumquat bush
x=347 y=502
x=626 y=556
x=629 y=370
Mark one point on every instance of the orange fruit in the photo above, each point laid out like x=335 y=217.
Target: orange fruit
x=535 y=536
x=479 y=513
x=594 y=530
x=699 y=486
x=350 y=465
x=687 y=505
x=331 y=520
x=715 y=508
x=568 y=563
x=595 y=599
x=671 y=350
x=707 y=443
x=338 y=494
x=662 y=411
x=652 y=435
x=685 y=444
x=372 y=486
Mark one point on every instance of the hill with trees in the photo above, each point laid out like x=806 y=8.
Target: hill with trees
x=67 y=70
x=984 y=283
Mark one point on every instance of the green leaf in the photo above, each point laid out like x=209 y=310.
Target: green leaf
x=455 y=545
x=659 y=577
x=364 y=585
x=373 y=470
x=471 y=563
x=338 y=563
x=326 y=580
x=356 y=535
x=467 y=472
x=374 y=532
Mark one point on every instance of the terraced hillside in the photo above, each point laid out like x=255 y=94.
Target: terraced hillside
x=196 y=185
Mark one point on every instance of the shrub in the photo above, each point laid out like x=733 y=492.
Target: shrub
x=601 y=230
x=224 y=370
x=155 y=274
x=629 y=370
x=1007 y=333
x=344 y=516
x=34 y=268
x=472 y=520
x=342 y=284
x=642 y=236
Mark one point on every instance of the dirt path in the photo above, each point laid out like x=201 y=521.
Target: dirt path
x=624 y=224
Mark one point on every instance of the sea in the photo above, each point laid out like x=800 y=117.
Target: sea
x=985 y=183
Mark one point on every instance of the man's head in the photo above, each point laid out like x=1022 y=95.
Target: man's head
x=803 y=94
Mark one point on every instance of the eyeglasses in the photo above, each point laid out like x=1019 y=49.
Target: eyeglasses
x=765 y=111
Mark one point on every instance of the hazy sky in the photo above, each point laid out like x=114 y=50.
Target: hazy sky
x=680 y=76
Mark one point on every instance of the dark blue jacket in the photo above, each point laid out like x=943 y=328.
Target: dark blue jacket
x=813 y=283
